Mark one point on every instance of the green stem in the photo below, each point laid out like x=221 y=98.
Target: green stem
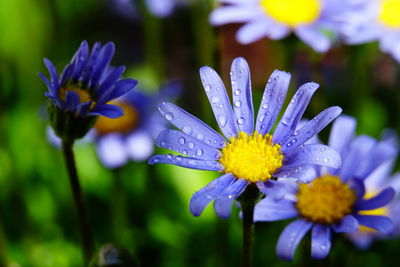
x=85 y=231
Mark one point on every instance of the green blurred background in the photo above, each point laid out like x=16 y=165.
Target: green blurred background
x=145 y=208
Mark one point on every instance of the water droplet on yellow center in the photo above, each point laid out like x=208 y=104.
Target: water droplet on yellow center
x=123 y=124
x=84 y=95
x=251 y=157
x=389 y=13
x=292 y=12
x=325 y=200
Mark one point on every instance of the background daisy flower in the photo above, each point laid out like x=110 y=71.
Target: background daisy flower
x=336 y=199
x=310 y=20
x=249 y=154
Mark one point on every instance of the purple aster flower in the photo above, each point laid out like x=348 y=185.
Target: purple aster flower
x=132 y=135
x=311 y=20
x=336 y=199
x=374 y=20
x=248 y=154
x=83 y=89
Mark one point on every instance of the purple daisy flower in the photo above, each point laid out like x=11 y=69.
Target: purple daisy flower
x=313 y=21
x=248 y=154
x=82 y=91
x=336 y=199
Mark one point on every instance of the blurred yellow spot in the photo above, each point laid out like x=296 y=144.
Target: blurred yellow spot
x=292 y=12
x=389 y=13
x=325 y=200
x=382 y=211
x=84 y=95
x=123 y=124
x=251 y=157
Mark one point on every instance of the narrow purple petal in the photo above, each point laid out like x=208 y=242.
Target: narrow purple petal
x=49 y=85
x=358 y=187
x=342 y=132
x=380 y=200
x=121 y=88
x=303 y=174
x=79 y=60
x=192 y=163
x=377 y=178
x=313 y=154
x=71 y=100
x=241 y=94
x=294 y=112
x=268 y=210
x=272 y=189
x=291 y=237
x=310 y=129
x=204 y=196
x=52 y=71
x=348 y=224
x=110 y=80
x=187 y=145
x=107 y=110
x=320 y=241
x=106 y=54
x=223 y=203
x=216 y=93
x=66 y=75
x=272 y=101
x=83 y=108
x=379 y=223
x=191 y=125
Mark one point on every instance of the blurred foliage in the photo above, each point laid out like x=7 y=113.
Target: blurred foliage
x=141 y=208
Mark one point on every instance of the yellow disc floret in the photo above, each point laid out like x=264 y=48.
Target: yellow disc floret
x=251 y=157
x=292 y=12
x=84 y=95
x=389 y=13
x=382 y=211
x=325 y=200
x=123 y=124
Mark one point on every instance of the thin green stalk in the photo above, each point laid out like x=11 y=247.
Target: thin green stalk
x=85 y=231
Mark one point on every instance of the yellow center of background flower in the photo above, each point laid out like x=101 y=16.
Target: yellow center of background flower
x=390 y=13
x=83 y=94
x=383 y=211
x=325 y=200
x=123 y=124
x=251 y=157
x=292 y=12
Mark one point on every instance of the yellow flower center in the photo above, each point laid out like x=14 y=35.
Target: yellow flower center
x=389 y=13
x=292 y=12
x=325 y=200
x=382 y=211
x=123 y=124
x=84 y=95
x=251 y=157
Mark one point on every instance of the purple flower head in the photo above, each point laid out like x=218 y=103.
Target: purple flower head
x=336 y=200
x=248 y=153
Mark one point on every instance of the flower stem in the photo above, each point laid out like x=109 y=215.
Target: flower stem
x=85 y=231
x=248 y=200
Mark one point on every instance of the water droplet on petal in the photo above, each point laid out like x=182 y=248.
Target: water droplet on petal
x=200 y=136
x=169 y=156
x=187 y=130
x=240 y=121
x=179 y=158
x=169 y=116
x=191 y=145
x=207 y=87
x=199 y=152
x=222 y=121
x=214 y=99
x=265 y=106
x=238 y=104
x=182 y=140
x=237 y=92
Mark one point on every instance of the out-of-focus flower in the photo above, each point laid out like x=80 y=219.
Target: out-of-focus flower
x=162 y=8
x=82 y=91
x=310 y=20
x=249 y=155
x=132 y=135
x=374 y=20
x=336 y=200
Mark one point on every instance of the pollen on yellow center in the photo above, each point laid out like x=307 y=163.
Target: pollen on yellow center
x=84 y=95
x=325 y=200
x=123 y=124
x=251 y=157
x=292 y=12
x=389 y=13
x=382 y=211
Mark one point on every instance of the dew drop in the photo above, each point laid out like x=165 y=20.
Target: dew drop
x=199 y=152
x=237 y=92
x=200 y=136
x=184 y=152
x=238 y=104
x=190 y=145
x=222 y=120
x=182 y=140
x=240 y=121
x=169 y=156
x=207 y=87
x=326 y=160
x=187 y=130
x=169 y=116
x=265 y=106
x=179 y=158
x=156 y=160
x=215 y=99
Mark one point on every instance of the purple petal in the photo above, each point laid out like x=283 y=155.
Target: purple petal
x=223 y=203
x=314 y=37
x=258 y=28
x=71 y=100
x=83 y=108
x=380 y=200
x=110 y=80
x=216 y=93
x=187 y=145
x=106 y=54
x=303 y=174
x=272 y=189
x=111 y=151
x=242 y=98
x=377 y=178
x=121 y=88
x=268 y=210
x=230 y=14
x=379 y=223
x=107 y=110
x=320 y=241
x=191 y=125
x=294 y=112
x=49 y=85
x=79 y=60
x=272 y=101
x=204 y=196
x=342 y=132
x=348 y=224
x=313 y=154
x=66 y=75
x=192 y=163
x=52 y=71
x=358 y=187
x=291 y=237
x=310 y=129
